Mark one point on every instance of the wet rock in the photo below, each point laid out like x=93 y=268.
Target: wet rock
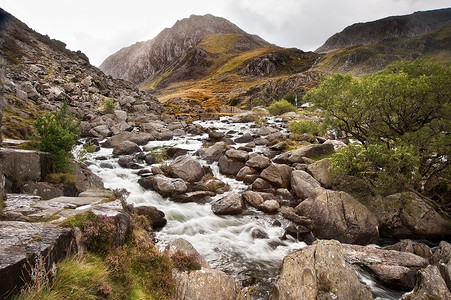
x=229 y=166
x=310 y=151
x=213 y=153
x=429 y=285
x=304 y=185
x=186 y=168
x=319 y=271
x=393 y=268
x=216 y=136
x=163 y=185
x=212 y=184
x=197 y=196
x=253 y=198
x=155 y=217
x=406 y=215
x=126 y=148
x=278 y=175
x=340 y=216
x=128 y=162
x=23 y=244
x=231 y=204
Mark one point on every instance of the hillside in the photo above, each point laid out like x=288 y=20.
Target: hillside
x=369 y=47
x=208 y=59
x=39 y=73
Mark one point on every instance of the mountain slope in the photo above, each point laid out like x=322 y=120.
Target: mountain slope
x=388 y=28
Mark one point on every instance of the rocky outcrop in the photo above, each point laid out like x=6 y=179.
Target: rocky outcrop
x=340 y=216
x=319 y=271
x=406 y=215
x=429 y=285
x=309 y=151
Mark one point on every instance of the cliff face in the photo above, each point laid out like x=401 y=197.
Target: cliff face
x=388 y=28
x=144 y=61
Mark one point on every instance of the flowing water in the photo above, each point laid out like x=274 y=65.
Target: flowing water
x=249 y=247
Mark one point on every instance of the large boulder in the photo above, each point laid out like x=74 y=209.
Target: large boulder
x=429 y=285
x=126 y=148
x=309 y=151
x=229 y=166
x=140 y=138
x=304 y=185
x=213 y=153
x=155 y=217
x=257 y=161
x=231 y=204
x=320 y=171
x=279 y=175
x=407 y=215
x=186 y=168
x=319 y=271
x=392 y=268
x=340 y=216
x=163 y=185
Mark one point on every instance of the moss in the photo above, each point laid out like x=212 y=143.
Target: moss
x=61 y=178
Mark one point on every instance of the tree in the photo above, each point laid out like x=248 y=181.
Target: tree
x=58 y=132
x=405 y=106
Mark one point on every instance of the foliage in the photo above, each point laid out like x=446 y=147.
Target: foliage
x=309 y=127
x=108 y=106
x=99 y=232
x=58 y=133
x=184 y=261
x=406 y=108
x=256 y=102
x=280 y=107
x=90 y=147
x=61 y=178
x=158 y=154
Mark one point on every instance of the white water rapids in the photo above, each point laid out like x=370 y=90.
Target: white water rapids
x=248 y=247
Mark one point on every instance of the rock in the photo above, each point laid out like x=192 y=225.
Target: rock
x=243 y=172
x=156 y=217
x=85 y=179
x=253 y=198
x=231 y=204
x=197 y=196
x=237 y=155
x=128 y=162
x=429 y=285
x=214 y=135
x=278 y=175
x=289 y=214
x=228 y=166
x=269 y=206
x=320 y=171
x=43 y=189
x=304 y=185
x=393 y=268
x=245 y=138
x=406 y=215
x=186 y=168
x=442 y=254
x=340 y=216
x=126 y=148
x=20 y=166
x=260 y=184
x=100 y=131
x=22 y=244
x=310 y=151
x=181 y=245
x=196 y=285
x=213 y=153
x=163 y=185
x=257 y=161
x=319 y=271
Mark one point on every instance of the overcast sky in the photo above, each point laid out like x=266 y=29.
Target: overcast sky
x=101 y=27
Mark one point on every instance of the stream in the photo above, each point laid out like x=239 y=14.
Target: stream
x=249 y=247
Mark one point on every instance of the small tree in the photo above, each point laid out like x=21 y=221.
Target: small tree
x=58 y=133
x=280 y=107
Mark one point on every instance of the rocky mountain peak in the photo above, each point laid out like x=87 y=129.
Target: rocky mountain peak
x=143 y=61
x=388 y=28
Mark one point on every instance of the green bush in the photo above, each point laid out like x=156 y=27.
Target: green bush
x=108 y=106
x=58 y=132
x=298 y=128
x=280 y=107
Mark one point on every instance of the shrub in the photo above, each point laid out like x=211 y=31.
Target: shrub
x=158 y=154
x=58 y=132
x=108 y=106
x=99 y=232
x=298 y=128
x=280 y=107
x=185 y=262
x=61 y=178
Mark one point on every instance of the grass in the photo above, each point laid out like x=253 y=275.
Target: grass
x=61 y=178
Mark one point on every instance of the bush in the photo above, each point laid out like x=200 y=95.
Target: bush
x=185 y=262
x=108 y=106
x=298 y=128
x=281 y=107
x=58 y=132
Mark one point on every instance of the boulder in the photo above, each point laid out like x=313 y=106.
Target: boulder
x=419 y=249
x=253 y=198
x=196 y=196
x=442 y=254
x=128 y=162
x=27 y=245
x=304 y=185
x=257 y=161
x=155 y=217
x=270 y=206
x=213 y=153
x=320 y=171
x=278 y=175
x=407 y=215
x=429 y=285
x=260 y=184
x=186 y=168
x=126 y=148
x=310 y=151
x=237 y=155
x=228 y=166
x=214 y=135
x=181 y=245
x=319 y=271
x=231 y=204
x=163 y=185
x=392 y=268
x=85 y=179
x=245 y=171
x=245 y=138
x=340 y=216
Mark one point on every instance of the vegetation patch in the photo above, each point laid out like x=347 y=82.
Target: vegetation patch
x=281 y=107
x=185 y=262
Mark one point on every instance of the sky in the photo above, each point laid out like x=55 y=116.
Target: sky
x=99 y=28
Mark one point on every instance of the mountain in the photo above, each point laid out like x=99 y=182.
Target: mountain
x=38 y=74
x=205 y=58
x=368 y=47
